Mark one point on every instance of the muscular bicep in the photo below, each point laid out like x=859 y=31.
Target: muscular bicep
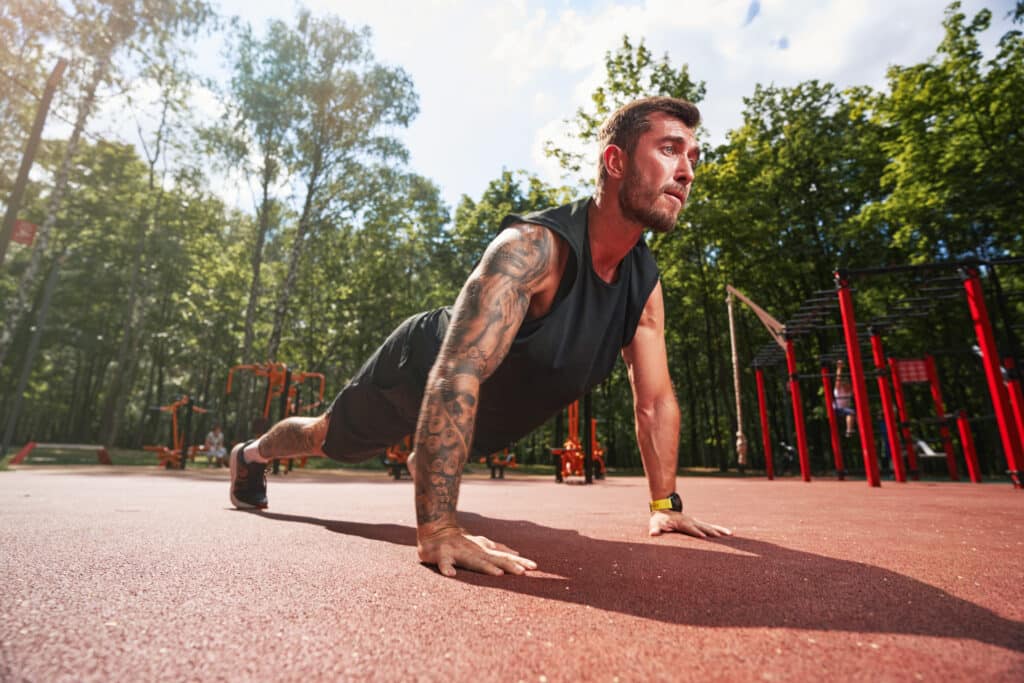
x=646 y=357
x=493 y=303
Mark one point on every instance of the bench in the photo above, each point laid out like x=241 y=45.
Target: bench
x=101 y=451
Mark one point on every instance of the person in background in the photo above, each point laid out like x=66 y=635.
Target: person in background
x=215 y=451
x=843 y=399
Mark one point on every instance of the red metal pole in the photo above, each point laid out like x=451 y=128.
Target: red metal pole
x=940 y=412
x=967 y=443
x=860 y=390
x=837 y=447
x=1016 y=396
x=993 y=372
x=23 y=453
x=766 y=436
x=878 y=355
x=798 y=411
x=901 y=406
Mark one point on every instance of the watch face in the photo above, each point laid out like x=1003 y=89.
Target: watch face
x=677 y=502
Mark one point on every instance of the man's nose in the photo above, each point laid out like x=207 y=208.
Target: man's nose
x=684 y=173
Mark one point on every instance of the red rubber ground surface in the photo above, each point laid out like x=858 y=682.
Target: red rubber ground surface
x=129 y=575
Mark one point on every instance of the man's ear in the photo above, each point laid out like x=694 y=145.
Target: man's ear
x=615 y=159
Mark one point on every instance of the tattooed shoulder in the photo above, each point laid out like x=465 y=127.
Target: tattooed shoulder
x=524 y=251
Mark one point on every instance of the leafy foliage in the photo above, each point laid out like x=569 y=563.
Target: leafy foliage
x=165 y=287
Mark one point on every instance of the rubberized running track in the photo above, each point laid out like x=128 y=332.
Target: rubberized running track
x=127 y=575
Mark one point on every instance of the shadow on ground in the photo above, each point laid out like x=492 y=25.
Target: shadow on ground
x=768 y=586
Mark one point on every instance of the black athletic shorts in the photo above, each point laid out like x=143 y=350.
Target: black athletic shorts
x=380 y=405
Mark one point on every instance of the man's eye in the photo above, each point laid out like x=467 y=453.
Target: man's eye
x=668 y=149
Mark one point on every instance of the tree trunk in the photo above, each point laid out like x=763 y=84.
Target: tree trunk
x=125 y=351
x=53 y=205
x=74 y=400
x=140 y=431
x=126 y=354
x=257 y=264
x=293 y=265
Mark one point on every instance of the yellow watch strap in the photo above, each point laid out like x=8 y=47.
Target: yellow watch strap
x=661 y=504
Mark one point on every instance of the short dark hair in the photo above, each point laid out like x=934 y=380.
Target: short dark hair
x=625 y=126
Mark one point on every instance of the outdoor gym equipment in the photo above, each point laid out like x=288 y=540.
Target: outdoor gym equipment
x=815 y=315
x=570 y=459
x=396 y=457
x=175 y=455
x=1001 y=374
x=102 y=456
x=282 y=383
x=498 y=461
x=775 y=329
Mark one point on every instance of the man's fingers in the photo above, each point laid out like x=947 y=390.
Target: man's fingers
x=514 y=564
x=501 y=547
x=485 y=563
x=693 y=530
x=712 y=529
x=685 y=524
x=446 y=566
x=485 y=542
x=475 y=557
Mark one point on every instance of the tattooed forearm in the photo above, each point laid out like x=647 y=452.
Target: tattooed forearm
x=485 y=320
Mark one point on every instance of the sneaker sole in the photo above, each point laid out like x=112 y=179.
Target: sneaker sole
x=233 y=459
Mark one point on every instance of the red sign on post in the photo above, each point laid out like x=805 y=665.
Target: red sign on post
x=24 y=233
x=912 y=371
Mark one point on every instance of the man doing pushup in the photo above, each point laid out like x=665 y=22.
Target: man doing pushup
x=557 y=296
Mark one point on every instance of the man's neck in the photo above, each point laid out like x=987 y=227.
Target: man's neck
x=612 y=236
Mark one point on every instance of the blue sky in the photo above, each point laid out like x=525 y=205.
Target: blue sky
x=498 y=78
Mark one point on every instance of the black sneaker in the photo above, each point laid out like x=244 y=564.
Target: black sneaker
x=248 y=481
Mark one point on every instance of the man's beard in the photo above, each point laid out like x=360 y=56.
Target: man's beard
x=640 y=204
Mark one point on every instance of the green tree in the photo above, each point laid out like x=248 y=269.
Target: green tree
x=163 y=68
x=185 y=336
x=98 y=32
x=25 y=26
x=368 y=268
x=261 y=110
x=348 y=104
x=957 y=147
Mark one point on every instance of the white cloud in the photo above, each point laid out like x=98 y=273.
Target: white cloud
x=496 y=79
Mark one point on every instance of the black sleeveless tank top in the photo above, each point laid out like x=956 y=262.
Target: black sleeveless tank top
x=559 y=357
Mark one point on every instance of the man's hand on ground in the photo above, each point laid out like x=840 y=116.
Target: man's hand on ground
x=451 y=548
x=666 y=521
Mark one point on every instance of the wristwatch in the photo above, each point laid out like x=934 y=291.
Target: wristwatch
x=673 y=502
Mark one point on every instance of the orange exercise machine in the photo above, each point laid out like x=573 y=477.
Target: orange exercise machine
x=175 y=455
x=570 y=460
x=396 y=457
x=283 y=383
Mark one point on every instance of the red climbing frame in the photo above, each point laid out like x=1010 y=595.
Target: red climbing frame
x=766 y=436
x=833 y=427
x=860 y=390
x=878 y=355
x=993 y=372
x=798 y=411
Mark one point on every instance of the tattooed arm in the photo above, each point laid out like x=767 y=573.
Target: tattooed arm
x=520 y=268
